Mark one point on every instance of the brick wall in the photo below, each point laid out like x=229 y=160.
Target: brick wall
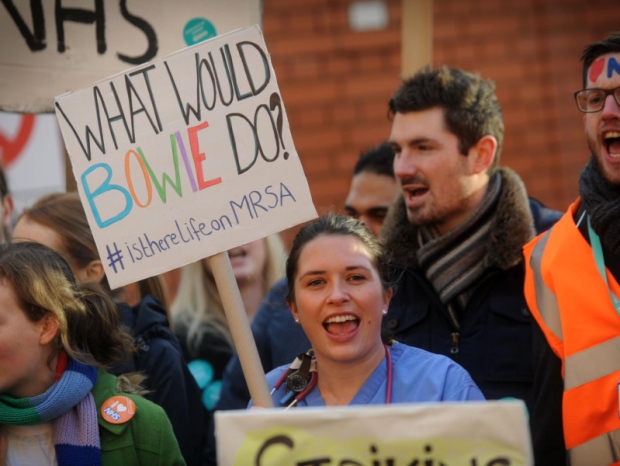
x=335 y=83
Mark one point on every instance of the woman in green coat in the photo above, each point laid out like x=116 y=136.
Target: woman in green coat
x=57 y=404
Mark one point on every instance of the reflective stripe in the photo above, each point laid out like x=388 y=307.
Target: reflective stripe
x=545 y=299
x=592 y=363
x=604 y=449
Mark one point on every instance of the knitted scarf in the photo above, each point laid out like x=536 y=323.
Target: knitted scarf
x=601 y=200
x=70 y=407
x=453 y=262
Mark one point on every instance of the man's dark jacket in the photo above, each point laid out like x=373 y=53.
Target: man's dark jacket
x=495 y=335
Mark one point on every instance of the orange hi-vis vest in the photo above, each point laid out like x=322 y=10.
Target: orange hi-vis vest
x=571 y=303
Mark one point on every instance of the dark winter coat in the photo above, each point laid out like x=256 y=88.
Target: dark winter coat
x=495 y=339
x=171 y=384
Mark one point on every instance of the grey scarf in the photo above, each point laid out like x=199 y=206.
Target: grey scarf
x=453 y=262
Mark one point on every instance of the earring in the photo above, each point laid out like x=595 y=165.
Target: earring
x=296 y=320
x=384 y=311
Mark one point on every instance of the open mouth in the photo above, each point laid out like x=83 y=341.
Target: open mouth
x=417 y=192
x=237 y=252
x=414 y=197
x=611 y=140
x=341 y=324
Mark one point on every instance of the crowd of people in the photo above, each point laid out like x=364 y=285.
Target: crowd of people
x=444 y=281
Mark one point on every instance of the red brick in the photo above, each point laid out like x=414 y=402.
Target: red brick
x=367 y=135
x=309 y=92
x=300 y=22
x=375 y=110
x=312 y=117
x=504 y=26
x=316 y=163
x=272 y=26
x=337 y=66
x=344 y=113
x=306 y=68
x=368 y=62
x=371 y=85
x=363 y=41
x=297 y=46
x=319 y=140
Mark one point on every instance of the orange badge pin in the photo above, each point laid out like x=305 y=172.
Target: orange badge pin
x=118 y=409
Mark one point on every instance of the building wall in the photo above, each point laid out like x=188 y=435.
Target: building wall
x=335 y=83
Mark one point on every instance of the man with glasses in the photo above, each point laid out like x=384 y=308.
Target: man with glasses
x=572 y=289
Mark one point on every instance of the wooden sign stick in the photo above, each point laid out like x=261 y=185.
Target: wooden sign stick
x=240 y=329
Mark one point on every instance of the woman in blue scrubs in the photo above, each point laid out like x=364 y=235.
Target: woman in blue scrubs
x=339 y=292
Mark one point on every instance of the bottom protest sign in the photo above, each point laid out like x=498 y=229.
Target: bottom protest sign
x=437 y=434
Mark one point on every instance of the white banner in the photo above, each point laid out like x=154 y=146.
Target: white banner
x=53 y=46
x=438 y=434
x=184 y=157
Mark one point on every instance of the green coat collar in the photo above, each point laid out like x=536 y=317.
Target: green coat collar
x=106 y=388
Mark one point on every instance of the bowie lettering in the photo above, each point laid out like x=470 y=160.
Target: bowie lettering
x=170 y=155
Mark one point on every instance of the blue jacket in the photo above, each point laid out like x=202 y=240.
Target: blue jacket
x=417 y=376
x=171 y=384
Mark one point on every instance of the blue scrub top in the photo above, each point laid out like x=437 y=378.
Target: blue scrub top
x=418 y=376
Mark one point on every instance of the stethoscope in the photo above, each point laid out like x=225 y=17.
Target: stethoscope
x=302 y=376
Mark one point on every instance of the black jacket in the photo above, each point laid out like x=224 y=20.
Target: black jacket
x=495 y=339
x=171 y=384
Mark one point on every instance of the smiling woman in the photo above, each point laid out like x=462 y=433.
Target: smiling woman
x=338 y=292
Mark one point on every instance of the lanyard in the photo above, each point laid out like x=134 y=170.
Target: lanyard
x=597 y=250
x=291 y=399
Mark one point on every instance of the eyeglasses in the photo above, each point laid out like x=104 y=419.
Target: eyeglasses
x=593 y=100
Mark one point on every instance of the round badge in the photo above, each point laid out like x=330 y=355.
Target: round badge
x=118 y=409
x=198 y=29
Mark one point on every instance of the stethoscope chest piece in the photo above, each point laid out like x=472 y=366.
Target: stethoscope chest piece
x=298 y=376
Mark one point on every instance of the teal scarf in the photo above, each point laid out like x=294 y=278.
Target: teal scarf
x=70 y=407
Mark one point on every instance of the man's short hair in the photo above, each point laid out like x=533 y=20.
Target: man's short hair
x=378 y=159
x=610 y=44
x=471 y=108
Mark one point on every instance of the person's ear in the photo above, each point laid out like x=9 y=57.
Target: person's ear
x=92 y=273
x=293 y=308
x=49 y=329
x=482 y=154
x=7 y=203
x=388 y=297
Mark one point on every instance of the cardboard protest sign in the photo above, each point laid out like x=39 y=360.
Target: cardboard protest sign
x=50 y=47
x=440 y=434
x=184 y=157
